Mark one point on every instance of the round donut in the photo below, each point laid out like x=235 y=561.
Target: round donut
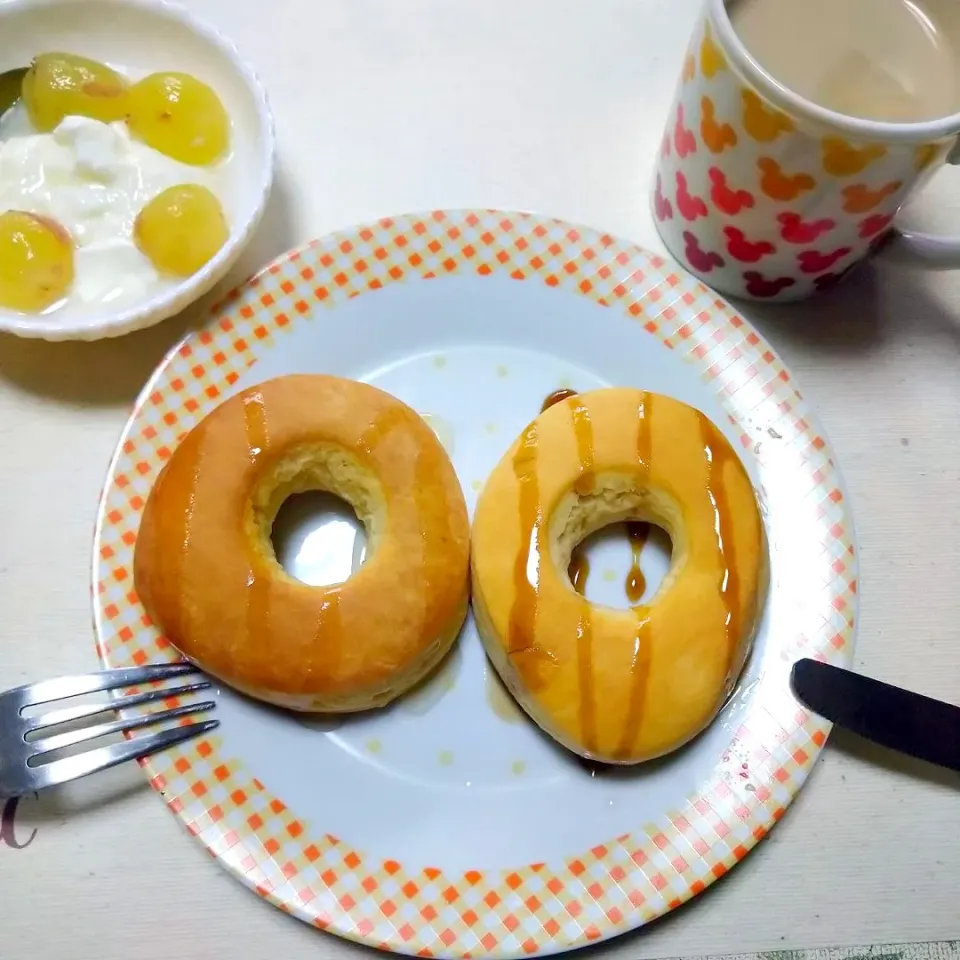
x=206 y=572
x=619 y=686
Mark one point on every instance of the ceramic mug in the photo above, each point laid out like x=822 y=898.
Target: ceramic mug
x=763 y=194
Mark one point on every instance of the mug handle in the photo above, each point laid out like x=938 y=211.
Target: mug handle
x=913 y=248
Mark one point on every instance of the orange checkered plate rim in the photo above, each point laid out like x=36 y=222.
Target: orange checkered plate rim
x=622 y=882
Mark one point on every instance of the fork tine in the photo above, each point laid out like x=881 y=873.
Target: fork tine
x=70 y=768
x=64 y=687
x=60 y=740
x=69 y=714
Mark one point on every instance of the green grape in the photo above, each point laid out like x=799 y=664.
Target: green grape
x=181 y=229
x=36 y=262
x=180 y=116
x=58 y=85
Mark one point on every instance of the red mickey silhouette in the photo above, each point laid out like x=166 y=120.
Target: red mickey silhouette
x=690 y=206
x=812 y=261
x=725 y=199
x=827 y=280
x=683 y=138
x=703 y=261
x=661 y=205
x=742 y=249
x=874 y=224
x=796 y=230
x=759 y=286
x=665 y=145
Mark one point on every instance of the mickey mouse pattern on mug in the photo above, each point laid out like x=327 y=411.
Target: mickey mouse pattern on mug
x=757 y=204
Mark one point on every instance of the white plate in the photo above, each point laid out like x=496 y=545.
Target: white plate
x=447 y=824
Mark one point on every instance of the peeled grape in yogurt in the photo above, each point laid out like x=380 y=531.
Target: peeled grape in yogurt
x=181 y=229
x=58 y=85
x=180 y=116
x=36 y=262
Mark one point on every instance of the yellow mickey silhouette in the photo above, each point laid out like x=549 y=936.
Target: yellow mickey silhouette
x=843 y=160
x=689 y=68
x=924 y=155
x=762 y=123
x=711 y=59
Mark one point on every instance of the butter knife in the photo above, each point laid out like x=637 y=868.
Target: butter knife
x=907 y=722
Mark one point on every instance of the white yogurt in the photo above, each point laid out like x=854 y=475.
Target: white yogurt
x=94 y=179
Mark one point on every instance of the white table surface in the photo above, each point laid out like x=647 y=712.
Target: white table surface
x=555 y=106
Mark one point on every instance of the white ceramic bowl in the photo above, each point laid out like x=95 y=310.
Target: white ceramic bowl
x=151 y=35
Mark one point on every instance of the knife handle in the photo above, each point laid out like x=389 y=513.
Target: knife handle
x=896 y=718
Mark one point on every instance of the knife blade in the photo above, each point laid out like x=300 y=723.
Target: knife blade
x=891 y=716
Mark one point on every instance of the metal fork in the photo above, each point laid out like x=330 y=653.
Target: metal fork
x=22 y=768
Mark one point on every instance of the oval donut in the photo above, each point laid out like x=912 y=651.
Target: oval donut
x=619 y=686
x=206 y=572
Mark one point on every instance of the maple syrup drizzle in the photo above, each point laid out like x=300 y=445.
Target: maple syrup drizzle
x=329 y=625
x=588 y=707
x=558 y=396
x=718 y=454
x=642 y=643
x=258 y=587
x=579 y=570
x=526 y=656
x=583 y=434
x=255 y=422
x=186 y=495
x=636 y=583
x=427 y=465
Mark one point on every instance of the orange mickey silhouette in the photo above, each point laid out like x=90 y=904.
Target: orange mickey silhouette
x=689 y=68
x=861 y=199
x=778 y=185
x=717 y=136
x=843 y=160
x=711 y=59
x=761 y=123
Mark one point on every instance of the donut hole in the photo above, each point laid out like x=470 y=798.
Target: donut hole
x=318 y=538
x=317 y=513
x=620 y=543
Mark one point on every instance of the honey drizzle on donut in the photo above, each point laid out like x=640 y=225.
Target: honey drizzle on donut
x=525 y=654
x=583 y=433
x=642 y=641
x=718 y=455
x=258 y=587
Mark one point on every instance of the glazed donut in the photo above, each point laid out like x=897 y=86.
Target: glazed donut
x=619 y=686
x=206 y=572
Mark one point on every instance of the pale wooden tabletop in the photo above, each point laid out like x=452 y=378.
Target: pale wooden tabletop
x=553 y=106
